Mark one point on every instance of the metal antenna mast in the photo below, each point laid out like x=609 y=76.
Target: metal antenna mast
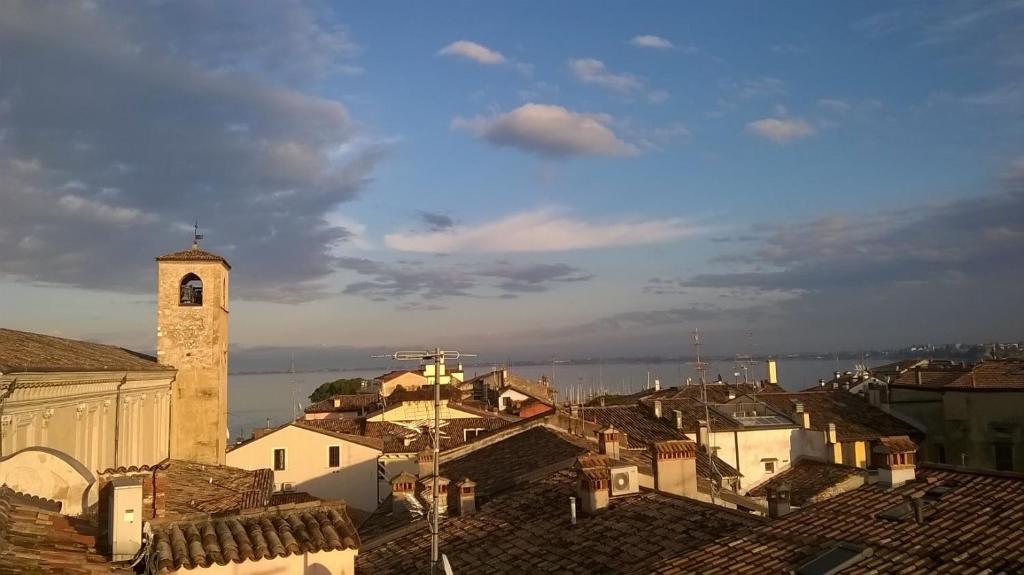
x=438 y=357
x=702 y=370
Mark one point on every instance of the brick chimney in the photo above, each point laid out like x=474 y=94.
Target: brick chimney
x=427 y=492
x=593 y=482
x=608 y=442
x=678 y=418
x=403 y=492
x=778 y=501
x=895 y=459
x=123 y=499
x=675 y=467
x=465 y=500
x=425 y=463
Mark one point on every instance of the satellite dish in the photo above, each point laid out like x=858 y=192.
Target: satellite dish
x=446 y=565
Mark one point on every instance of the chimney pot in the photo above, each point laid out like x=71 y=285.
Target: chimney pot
x=679 y=418
x=572 y=510
x=608 y=442
x=657 y=407
x=703 y=438
x=773 y=373
x=425 y=463
x=778 y=501
x=675 y=467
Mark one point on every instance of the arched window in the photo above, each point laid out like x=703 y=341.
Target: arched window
x=191 y=290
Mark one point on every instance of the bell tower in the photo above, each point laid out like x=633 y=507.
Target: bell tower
x=192 y=336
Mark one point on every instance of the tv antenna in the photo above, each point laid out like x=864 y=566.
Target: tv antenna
x=438 y=356
x=702 y=368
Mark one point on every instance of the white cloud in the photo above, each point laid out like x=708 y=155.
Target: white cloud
x=781 y=129
x=591 y=71
x=100 y=212
x=833 y=105
x=473 y=51
x=543 y=230
x=658 y=96
x=651 y=41
x=548 y=130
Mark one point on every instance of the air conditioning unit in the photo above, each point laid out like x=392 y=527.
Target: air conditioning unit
x=625 y=480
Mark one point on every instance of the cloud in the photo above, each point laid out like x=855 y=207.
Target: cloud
x=542 y=230
x=834 y=105
x=116 y=138
x=400 y=281
x=651 y=41
x=437 y=222
x=591 y=71
x=548 y=131
x=473 y=51
x=781 y=129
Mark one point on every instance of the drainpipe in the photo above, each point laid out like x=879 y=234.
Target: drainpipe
x=117 y=422
x=3 y=403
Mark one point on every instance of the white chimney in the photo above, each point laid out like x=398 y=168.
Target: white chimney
x=675 y=467
x=773 y=374
x=703 y=439
x=403 y=492
x=465 y=501
x=657 y=385
x=657 y=408
x=897 y=455
x=679 y=418
x=124 y=504
x=608 y=442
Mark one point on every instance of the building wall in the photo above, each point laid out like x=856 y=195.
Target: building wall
x=355 y=481
x=417 y=410
x=746 y=450
x=408 y=381
x=966 y=424
x=194 y=339
x=510 y=396
x=102 y=420
x=322 y=563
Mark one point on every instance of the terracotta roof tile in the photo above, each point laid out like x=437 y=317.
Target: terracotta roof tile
x=193 y=254
x=989 y=375
x=854 y=417
x=974 y=524
x=345 y=402
x=22 y=351
x=280 y=532
x=809 y=481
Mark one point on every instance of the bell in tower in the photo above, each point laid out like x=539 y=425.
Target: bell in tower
x=192 y=336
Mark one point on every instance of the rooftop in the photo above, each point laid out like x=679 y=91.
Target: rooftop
x=855 y=418
x=973 y=524
x=528 y=530
x=809 y=481
x=989 y=375
x=345 y=429
x=36 y=538
x=193 y=254
x=251 y=536
x=22 y=351
x=345 y=402
x=455 y=432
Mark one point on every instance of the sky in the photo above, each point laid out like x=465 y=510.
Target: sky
x=572 y=179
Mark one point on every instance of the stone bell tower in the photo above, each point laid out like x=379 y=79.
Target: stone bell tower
x=192 y=336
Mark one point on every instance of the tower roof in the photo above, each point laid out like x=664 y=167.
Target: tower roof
x=193 y=254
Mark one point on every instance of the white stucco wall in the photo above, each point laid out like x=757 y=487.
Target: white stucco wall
x=753 y=446
x=355 y=481
x=323 y=563
x=510 y=395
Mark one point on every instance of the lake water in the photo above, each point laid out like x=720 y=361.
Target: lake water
x=255 y=398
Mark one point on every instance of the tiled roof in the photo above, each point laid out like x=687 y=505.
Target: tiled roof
x=36 y=539
x=193 y=254
x=500 y=465
x=693 y=412
x=528 y=530
x=989 y=375
x=346 y=402
x=809 y=480
x=717 y=392
x=639 y=425
x=183 y=488
x=22 y=351
x=281 y=532
x=973 y=523
x=344 y=429
x=897 y=444
x=400 y=439
x=854 y=417
x=291 y=497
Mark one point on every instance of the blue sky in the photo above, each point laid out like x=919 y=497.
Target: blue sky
x=572 y=178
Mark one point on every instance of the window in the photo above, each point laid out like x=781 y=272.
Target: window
x=279 y=459
x=191 y=290
x=470 y=434
x=769 y=467
x=334 y=456
x=1004 y=456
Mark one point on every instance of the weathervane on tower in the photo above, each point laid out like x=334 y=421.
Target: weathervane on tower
x=196 y=236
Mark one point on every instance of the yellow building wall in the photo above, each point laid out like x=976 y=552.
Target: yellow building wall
x=418 y=410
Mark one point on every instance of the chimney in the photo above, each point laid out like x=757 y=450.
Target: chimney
x=778 y=501
x=657 y=408
x=896 y=456
x=657 y=385
x=679 y=419
x=675 y=467
x=465 y=502
x=835 y=449
x=917 y=375
x=917 y=504
x=821 y=382
x=831 y=433
x=773 y=374
x=593 y=482
x=337 y=402
x=403 y=492
x=702 y=435
x=124 y=504
x=732 y=393
x=608 y=442
x=425 y=463
x=427 y=493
